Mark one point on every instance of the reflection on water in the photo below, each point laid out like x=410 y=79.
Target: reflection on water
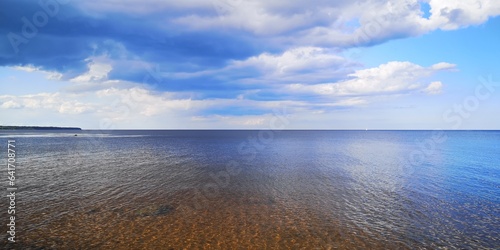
x=205 y=189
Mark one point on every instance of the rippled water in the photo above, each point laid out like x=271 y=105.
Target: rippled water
x=256 y=189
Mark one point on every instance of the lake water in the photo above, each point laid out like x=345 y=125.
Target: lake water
x=255 y=189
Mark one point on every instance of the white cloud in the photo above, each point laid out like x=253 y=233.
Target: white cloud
x=434 y=88
x=96 y=77
x=389 y=78
x=69 y=107
x=128 y=104
x=50 y=75
x=253 y=16
x=64 y=103
x=306 y=64
x=311 y=35
x=123 y=107
x=340 y=23
x=27 y=68
x=294 y=60
x=47 y=101
x=144 y=102
x=98 y=71
x=10 y=104
x=444 y=66
x=450 y=15
x=355 y=101
x=137 y=107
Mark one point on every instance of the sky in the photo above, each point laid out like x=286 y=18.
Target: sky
x=250 y=64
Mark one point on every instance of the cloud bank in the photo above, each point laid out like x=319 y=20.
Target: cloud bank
x=222 y=59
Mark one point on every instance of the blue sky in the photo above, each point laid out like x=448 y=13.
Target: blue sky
x=217 y=64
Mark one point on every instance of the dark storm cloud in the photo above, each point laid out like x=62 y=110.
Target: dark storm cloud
x=60 y=37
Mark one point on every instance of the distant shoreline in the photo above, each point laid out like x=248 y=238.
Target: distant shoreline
x=37 y=128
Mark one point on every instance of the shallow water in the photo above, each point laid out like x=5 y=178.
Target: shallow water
x=256 y=189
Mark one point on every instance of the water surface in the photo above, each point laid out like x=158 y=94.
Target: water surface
x=257 y=189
